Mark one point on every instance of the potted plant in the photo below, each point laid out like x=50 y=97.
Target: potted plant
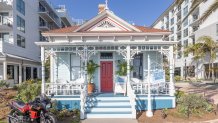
x=91 y=68
x=122 y=71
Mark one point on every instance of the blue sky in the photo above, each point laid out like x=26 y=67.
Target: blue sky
x=140 y=12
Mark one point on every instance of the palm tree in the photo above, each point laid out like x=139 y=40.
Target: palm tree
x=195 y=4
x=205 y=46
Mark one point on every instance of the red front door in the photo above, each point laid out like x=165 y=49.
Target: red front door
x=106 y=76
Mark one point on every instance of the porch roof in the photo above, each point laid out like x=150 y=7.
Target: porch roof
x=105 y=43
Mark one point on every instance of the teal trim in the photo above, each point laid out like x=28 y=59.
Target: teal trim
x=156 y=104
x=68 y=104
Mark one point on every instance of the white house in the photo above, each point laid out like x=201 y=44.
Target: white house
x=107 y=39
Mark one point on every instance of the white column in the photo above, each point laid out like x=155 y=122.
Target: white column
x=171 y=86
x=20 y=73
x=149 y=112
x=43 y=69
x=5 y=70
x=128 y=59
x=52 y=69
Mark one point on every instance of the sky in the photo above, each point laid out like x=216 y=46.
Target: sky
x=139 y=12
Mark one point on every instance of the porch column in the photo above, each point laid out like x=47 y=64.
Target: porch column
x=43 y=69
x=128 y=59
x=171 y=86
x=20 y=74
x=52 y=69
x=149 y=112
x=5 y=70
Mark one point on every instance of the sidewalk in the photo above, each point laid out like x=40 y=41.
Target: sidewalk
x=103 y=120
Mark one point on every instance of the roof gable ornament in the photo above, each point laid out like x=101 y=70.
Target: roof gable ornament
x=106 y=5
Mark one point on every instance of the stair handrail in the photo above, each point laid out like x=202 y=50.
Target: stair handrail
x=83 y=101
x=132 y=96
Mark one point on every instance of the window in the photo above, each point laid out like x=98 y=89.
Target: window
x=172 y=29
x=185 y=32
x=20 y=24
x=217 y=29
x=172 y=38
x=10 y=72
x=172 y=21
x=106 y=56
x=185 y=11
x=186 y=2
x=4 y=37
x=75 y=65
x=28 y=73
x=21 y=6
x=185 y=43
x=20 y=41
x=34 y=73
x=138 y=66
x=185 y=22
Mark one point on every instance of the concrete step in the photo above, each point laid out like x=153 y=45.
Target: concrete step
x=109 y=115
x=116 y=110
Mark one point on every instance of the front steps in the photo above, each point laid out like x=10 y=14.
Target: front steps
x=108 y=106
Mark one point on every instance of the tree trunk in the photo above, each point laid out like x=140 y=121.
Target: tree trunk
x=213 y=77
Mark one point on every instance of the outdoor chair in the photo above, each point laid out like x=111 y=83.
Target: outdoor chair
x=120 y=85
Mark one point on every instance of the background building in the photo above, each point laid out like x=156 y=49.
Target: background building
x=21 y=24
x=187 y=32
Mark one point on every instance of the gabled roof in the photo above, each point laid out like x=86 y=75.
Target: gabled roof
x=73 y=28
x=107 y=22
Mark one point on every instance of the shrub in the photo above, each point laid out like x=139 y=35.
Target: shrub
x=179 y=94
x=193 y=104
x=28 y=90
x=3 y=84
x=177 y=78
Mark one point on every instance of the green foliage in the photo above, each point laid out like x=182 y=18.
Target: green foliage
x=28 y=90
x=177 y=78
x=91 y=68
x=179 y=94
x=3 y=84
x=193 y=104
x=122 y=71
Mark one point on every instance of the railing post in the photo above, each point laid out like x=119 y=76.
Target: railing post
x=128 y=59
x=43 y=69
x=149 y=112
x=171 y=86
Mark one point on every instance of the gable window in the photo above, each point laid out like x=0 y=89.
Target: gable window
x=21 y=6
x=20 y=24
x=20 y=41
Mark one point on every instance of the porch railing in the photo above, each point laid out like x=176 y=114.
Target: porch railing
x=64 y=89
x=161 y=88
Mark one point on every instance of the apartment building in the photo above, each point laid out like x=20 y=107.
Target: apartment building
x=21 y=24
x=187 y=32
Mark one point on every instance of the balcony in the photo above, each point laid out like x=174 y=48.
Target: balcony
x=44 y=26
x=6 y=23
x=195 y=20
x=6 y=4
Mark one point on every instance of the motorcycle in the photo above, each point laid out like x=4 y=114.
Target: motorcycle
x=36 y=111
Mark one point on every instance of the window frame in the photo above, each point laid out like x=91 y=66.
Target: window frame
x=21 y=24
x=21 y=39
x=20 y=4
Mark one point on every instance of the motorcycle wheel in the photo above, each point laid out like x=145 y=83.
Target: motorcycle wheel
x=49 y=118
x=12 y=120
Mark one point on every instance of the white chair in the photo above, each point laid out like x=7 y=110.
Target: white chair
x=120 y=85
x=137 y=85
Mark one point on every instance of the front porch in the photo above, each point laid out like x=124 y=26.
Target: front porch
x=69 y=77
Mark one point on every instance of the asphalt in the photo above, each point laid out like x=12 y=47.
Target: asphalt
x=103 y=120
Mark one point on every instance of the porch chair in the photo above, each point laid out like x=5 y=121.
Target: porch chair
x=120 y=85
x=138 y=85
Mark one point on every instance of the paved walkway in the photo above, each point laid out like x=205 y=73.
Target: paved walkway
x=103 y=120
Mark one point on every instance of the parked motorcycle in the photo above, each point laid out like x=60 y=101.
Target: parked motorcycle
x=33 y=112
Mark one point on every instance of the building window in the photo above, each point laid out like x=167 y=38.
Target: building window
x=186 y=43
x=10 y=72
x=172 y=21
x=20 y=24
x=172 y=38
x=185 y=11
x=21 y=6
x=20 y=41
x=34 y=73
x=4 y=37
x=28 y=73
x=185 y=32
x=217 y=29
x=186 y=2
x=185 y=22
x=172 y=29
